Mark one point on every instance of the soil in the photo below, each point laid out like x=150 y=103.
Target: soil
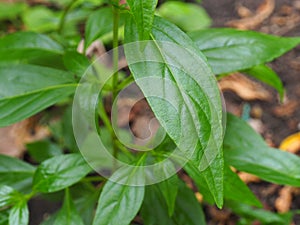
x=279 y=120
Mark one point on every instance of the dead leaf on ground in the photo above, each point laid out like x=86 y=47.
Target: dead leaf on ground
x=291 y=143
x=14 y=138
x=286 y=109
x=244 y=87
x=262 y=13
x=284 y=201
x=248 y=178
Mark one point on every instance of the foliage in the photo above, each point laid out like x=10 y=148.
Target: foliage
x=41 y=67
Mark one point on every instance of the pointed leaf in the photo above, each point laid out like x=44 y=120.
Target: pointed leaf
x=143 y=14
x=19 y=214
x=228 y=50
x=27 y=89
x=27 y=45
x=268 y=76
x=187 y=101
x=6 y=195
x=60 y=172
x=246 y=151
x=119 y=203
x=68 y=214
x=15 y=173
x=76 y=63
x=169 y=189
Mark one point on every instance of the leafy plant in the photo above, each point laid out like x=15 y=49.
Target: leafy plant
x=42 y=67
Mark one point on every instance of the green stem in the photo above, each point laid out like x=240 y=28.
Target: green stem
x=116 y=17
x=63 y=17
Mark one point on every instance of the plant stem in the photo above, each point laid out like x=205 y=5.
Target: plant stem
x=116 y=15
x=63 y=17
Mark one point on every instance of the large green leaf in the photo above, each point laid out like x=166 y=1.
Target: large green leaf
x=119 y=203
x=143 y=14
x=19 y=214
x=60 y=172
x=228 y=50
x=246 y=151
x=76 y=62
x=27 y=89
x=268 y=76
x=68 y=214
x=187 y=16
x=15 y=173
x=186 y=98
x=27 y=45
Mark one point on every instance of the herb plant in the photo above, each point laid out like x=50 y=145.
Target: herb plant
x=43 y=66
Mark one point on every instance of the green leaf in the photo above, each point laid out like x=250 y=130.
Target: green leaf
x=236 y=189
x=4 y=214
x=119 y=203
x=262 y=215
x=19 y=214
x=76 y=62
x=268 y=76
x=11 y=10
x=143 y=14
x=210 y=182
x=68 y=214
x=6 y=195
x=228 y=50
x=99 y=23
x=187 y=208
x=189 y=105
x=187 y=16
x=27 y=89
x=169 y=189
x=41 y=19
x=42 y=150
x=15 y=173
x=60 y=172
x=27 y=45
x=246 y=151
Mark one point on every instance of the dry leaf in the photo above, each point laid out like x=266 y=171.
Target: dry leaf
x=291 y=143
x=248 y=178
x=286 y=109
x=284 y=201
x=14 y=138
x=244 y=88
x=262 y=13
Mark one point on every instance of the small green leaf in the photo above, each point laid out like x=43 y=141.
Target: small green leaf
x=27 y=45
x=19 y=214
x=188 y=209
x=41 y=19
x=235 y=189
x=68 y=214
x=169 y=189
x=76 y=62
x=143 y=14
x=15 y=173
x=42 y=150
x=228 y=50
x=99 y=23
x=27 y=89
x=11 y=10
x=268 y=76
x=246 y=151
x=119 y=203
x=6 y=195
x=60 y=172
x=262 y=215
x=187 y=16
